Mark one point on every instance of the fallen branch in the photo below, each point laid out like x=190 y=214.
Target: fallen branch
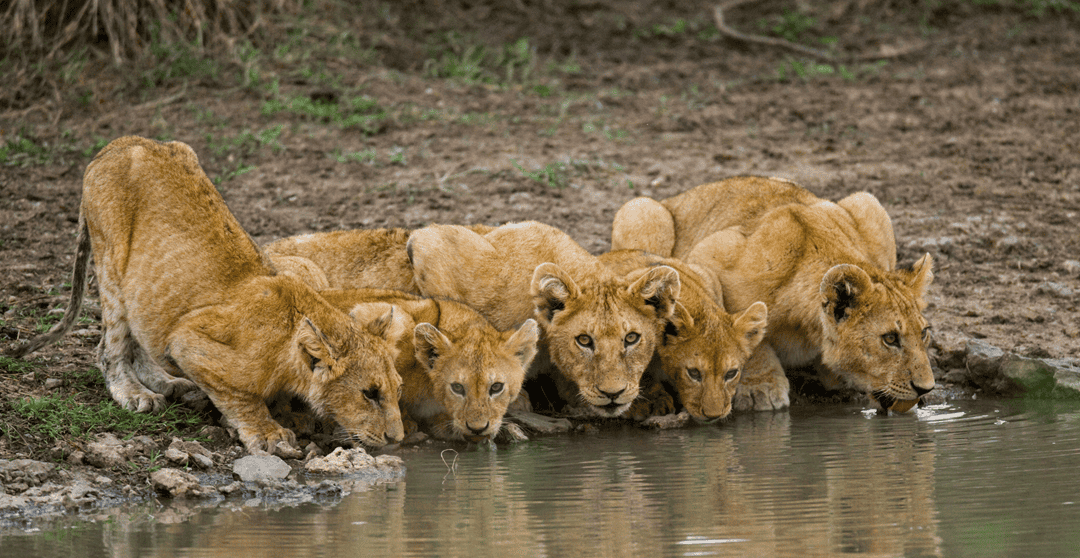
x=731 y=33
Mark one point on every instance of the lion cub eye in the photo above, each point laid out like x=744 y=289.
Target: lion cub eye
x=457 y=388
x=496 y=388
x=694 y=374
x=584 y=341
x=730 y=374
x=372 y=394
x=631 y=338
x=891 y=339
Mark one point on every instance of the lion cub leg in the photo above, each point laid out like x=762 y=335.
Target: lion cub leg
x=763 y=386
x=245 y=410
x=154 y=377
x=644 y=224
x=118 y=354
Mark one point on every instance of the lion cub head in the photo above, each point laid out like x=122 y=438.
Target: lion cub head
x=475 y=373
x=874 y=332
x=704 y=357
x=354 y=379
x=704 y=348
x=601 y=333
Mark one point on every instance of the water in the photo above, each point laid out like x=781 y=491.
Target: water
x=985 y=479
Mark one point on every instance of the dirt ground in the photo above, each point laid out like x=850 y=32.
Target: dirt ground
x=968 y=131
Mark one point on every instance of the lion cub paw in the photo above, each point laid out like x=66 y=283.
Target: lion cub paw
x=142 y=402
x=651 y=402
x=764 y=393
x=270 y=442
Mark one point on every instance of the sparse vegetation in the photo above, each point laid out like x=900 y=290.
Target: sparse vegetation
x=53 y=417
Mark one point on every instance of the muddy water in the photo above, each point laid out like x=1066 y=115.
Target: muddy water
x=994 y=478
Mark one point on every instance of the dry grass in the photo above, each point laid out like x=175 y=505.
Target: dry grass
x=35 y=28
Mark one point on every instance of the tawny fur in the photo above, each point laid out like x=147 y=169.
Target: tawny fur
x=353 y=259
x=459 y=374
x=826 y=270
x=704 y=348
x=188 y=300
x=599 y=330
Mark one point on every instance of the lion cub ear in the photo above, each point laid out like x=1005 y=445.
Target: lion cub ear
x=320 y=354
x=750 y=325
x=660 y=289
x=680 y=322
x=523 y=342
x=429 y=343
x=921 y=274
x=381 y=319
x=841 y=290
x=551 y=288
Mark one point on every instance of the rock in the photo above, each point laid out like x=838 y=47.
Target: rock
x=53 y=383
x=1072 y=267
x=175 y=483
x=284 y=450
x=80 y=494
x=356 y=461
x=24 y=472
x=512 y=433
x=183 y=452
x=1001 y=373
x=540 y=423
x=253 y=468
x=664 y=422
x=1045 y=288
x=414 y=438
x=176 y=456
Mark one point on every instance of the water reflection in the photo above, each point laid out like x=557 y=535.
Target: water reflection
x=972 y=479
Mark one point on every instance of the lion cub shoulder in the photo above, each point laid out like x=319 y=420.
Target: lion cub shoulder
x=598 y=329
x=459 y=374
x=352 y=259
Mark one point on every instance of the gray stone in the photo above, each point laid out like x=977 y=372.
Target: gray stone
x=53 y=383
x=106 y=451
x=664 y=422
x=1001 y=373
x=176 y=456
x=201 y=461
x=341 y=461
x=25 y=472
x=175 y=483
x=1072 y=267
x=1054 y=289
x=253 y=468
x=540 y=423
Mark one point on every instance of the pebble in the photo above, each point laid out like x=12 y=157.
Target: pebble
x=253 y=468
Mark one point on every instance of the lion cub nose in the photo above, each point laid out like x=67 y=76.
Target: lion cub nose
x=391 y=439
x=477 y=431
x=921 y=390
x=612 y=395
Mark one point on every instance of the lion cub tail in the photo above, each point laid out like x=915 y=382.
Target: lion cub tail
x=78 y=288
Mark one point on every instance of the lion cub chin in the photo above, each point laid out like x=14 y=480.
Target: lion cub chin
x=459 y=373
x=704 y=348
x=598 y=329
x=188 y=300
x=827 y=271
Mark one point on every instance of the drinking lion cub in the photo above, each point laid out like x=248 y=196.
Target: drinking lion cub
x=597 y=328
x=827 y=271
x=188 y=300
x=459 y=374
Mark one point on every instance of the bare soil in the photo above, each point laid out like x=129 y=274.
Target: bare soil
x=970 y=138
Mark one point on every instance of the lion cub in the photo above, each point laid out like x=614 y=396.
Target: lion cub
x=599 y=329
x=459 y=374
x=188 y=300
x=704 y=349
x=354 y=259
x=827 y=271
